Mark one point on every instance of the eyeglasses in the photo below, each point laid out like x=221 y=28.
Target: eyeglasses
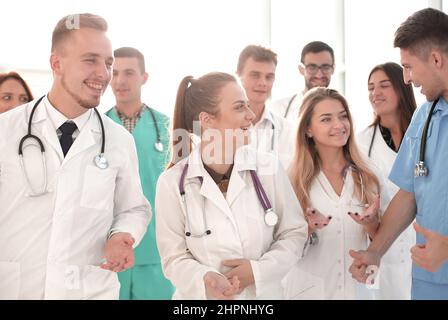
x=313 y=68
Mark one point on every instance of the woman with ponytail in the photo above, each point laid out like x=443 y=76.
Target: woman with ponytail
x=221 y=235
x=339 y=193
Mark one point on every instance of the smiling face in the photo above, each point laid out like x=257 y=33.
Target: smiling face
x=12 y=94
x=422 y=73
x=329 y=125
x=258 y=78
x=382 y=94
x=82 y=67
x=233 y=119
x=320 y=77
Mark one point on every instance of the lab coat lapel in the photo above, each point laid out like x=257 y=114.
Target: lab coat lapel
x=245 y=160
x=89 y=135
x=209 y=189
x=42 y=123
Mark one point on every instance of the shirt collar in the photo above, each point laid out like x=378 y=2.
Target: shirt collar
x=57 y=118
x=136 y=115
x=266 y=116
x=442 y=106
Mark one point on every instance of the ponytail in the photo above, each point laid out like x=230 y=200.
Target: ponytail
x=193 y=97
x=181 y=140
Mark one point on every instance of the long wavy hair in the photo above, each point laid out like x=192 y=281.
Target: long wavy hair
x=406 y=99
x=306 y=163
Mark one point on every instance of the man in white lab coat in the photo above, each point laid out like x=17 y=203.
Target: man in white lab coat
x=271 y=133
x=67 y=222
x=317 y=67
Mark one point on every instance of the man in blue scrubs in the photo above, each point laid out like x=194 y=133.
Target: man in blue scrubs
x=423 y=43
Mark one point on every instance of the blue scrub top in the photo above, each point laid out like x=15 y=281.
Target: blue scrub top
x=431 y=192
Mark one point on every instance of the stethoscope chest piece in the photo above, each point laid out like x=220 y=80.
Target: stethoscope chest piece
x=158 y=146
x=101 y=161
x=270 y=218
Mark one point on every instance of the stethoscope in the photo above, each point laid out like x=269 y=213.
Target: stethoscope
x=344 y=177
x=158 y=145
x=421 y=170
x=99 y=160
x=270 y=217
x=272 y=139
x=289 y=105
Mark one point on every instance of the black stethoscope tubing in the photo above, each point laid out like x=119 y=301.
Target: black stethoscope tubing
x=421 y=157
x=29 y=135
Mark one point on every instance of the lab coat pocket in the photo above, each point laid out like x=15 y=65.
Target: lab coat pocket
x=302 y=285
x=9 y=280
x=98 y=188
x=100 y=284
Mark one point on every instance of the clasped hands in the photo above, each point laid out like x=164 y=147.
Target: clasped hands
x=226 y=286
x=118 y=253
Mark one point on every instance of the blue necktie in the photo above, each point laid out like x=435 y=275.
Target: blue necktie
x=66 y=139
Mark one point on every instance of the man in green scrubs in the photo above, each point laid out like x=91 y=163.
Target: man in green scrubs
x=150 y=130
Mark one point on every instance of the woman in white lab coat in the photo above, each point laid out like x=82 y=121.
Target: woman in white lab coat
x=220 y=243
x=393 y=104
x=334 y=185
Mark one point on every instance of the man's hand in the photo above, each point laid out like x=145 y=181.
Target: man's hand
x=119 y=253
x=432 y=254
x=364 y=265
x=219 y=287
x=242 y=269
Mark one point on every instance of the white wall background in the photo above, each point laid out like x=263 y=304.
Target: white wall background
x=181 y=37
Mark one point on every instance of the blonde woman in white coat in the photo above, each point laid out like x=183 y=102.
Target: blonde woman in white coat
x=393 y=104
x=340 y=193
x=222 y=242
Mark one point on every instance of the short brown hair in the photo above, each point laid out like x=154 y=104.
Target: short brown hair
x=422 y=31
x=258 y=53
x=129 y=52
x=73 y=22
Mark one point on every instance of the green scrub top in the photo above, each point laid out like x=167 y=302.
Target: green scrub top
x=151 y=164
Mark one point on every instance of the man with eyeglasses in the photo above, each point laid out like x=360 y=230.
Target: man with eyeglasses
x=317 y=67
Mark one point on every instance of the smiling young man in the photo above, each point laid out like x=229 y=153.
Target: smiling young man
x=256 y=70
x=423 y=43
x=66 y=223
x=316 y=66
x=150 y=131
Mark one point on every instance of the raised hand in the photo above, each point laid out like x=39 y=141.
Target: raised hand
x=316 y=220
x=370 y=215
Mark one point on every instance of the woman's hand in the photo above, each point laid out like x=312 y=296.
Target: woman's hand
x=370 y=219
x=316 y=220
x=219 y=287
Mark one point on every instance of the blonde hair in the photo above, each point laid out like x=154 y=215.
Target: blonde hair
x=306 y=163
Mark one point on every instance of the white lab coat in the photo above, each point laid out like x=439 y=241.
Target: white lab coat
x=279 y=107
x=396 y=264
x=279 y=141
x=51 y=246
x=323 y=272
x=236 y=222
